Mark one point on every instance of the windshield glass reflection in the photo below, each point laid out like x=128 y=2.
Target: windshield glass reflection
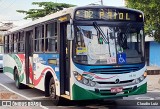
x=108 y=45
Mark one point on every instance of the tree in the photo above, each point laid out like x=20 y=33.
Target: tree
x=151 y=9
x=46 y=9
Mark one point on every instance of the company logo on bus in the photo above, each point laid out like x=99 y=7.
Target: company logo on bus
x=117 y=81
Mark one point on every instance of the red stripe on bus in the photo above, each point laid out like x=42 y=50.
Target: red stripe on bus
x=36 y=81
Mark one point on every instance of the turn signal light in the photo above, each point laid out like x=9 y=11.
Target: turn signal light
x=145 y=74
x=79 y=77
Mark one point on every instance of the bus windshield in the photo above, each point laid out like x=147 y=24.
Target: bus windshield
x=99 y=44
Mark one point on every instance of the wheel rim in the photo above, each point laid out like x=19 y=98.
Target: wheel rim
x=52 y=91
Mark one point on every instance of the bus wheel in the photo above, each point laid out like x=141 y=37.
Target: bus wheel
x=52 y=92
x=18 y=84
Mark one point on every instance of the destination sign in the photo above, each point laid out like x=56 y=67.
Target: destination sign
x=108 y=14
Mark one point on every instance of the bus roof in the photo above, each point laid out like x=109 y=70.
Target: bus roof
x=46 y=18
x=64 y=12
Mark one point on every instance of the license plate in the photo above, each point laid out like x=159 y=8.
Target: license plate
x=116 y=89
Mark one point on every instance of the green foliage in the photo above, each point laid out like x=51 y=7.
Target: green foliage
x=151 y=9
x=46 y=8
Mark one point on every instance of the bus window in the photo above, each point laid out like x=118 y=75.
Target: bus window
x=20 y=42
x=15 y=42
x=51 y=37
x=6 y=49
x=39 y=39
x=10 y=43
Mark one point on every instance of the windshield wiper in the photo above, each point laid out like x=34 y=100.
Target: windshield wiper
x=96 y=26
x=106 y=39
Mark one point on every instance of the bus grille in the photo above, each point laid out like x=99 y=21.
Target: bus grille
x=118 y=70
x=121 y=82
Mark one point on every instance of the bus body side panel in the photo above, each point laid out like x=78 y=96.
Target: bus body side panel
x=15 y=60
x=81 y=91
x=42 y=66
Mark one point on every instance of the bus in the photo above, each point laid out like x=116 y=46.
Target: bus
x=80 y=53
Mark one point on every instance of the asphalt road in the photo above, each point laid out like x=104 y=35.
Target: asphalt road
x=8 y=86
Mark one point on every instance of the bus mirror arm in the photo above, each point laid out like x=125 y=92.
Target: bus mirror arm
x=70 y=32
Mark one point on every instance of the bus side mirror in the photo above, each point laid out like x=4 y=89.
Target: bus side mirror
x=70 y=32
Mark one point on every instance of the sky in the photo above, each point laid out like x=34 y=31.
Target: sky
x=8 y=7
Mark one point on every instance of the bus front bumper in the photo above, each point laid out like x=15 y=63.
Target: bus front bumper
x=83 y=94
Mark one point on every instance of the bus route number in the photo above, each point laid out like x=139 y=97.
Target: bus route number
x=88 y=14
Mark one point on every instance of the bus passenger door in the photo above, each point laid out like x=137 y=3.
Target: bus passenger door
x=64 y=60
x=28 y=57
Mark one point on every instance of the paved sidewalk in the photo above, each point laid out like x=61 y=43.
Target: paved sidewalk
x=153 y=83
x=7 y=95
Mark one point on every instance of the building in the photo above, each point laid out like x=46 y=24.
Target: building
x=152 y=52
x=3 y=29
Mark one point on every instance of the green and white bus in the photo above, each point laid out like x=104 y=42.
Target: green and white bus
x=80 y=53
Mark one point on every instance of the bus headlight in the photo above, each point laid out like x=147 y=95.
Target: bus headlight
x=78 y=76
x=92 y=83
x=84 y=80
x=137 y=80
x=141 y=78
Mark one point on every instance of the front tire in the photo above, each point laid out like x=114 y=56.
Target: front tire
x=52 y=92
